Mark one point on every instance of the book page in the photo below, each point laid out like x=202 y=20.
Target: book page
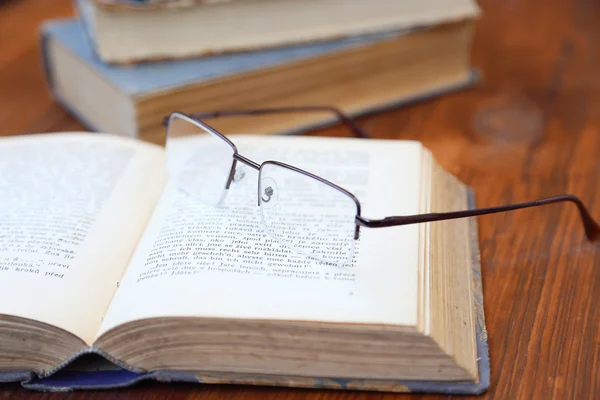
x=200 y=260
x=72 y=207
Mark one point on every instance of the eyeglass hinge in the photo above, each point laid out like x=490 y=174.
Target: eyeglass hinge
x=362 y=221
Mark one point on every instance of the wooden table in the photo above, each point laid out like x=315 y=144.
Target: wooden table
x=530 y=129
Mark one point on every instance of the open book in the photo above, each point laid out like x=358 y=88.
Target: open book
x=100 y=253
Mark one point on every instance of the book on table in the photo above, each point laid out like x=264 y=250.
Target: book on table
x=103 y=255
x=359 y=74
x=131 y=31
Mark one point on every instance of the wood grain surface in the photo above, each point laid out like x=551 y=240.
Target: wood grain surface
x=530 y=129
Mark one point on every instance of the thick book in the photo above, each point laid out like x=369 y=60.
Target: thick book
x=125 y=32
x=111 y=274
x=359 y=75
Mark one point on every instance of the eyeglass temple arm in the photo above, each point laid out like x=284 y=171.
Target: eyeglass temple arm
x=356 y=130
x=592 y=230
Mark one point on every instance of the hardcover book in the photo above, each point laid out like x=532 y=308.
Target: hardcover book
x=125 y=32
x=111 y=274
x=358 y=75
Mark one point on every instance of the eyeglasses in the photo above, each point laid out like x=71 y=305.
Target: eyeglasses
x=303 y=211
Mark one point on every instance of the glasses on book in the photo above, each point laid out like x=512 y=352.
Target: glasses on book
x=301 y=210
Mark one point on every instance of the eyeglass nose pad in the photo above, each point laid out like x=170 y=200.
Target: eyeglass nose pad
x=239 y=174
x=269 y=193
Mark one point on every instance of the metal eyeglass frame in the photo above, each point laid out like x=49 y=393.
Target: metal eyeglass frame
x=591 y=227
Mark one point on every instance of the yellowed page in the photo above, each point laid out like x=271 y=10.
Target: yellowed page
x=198 y=260
x=248 y=25
x=72 y=208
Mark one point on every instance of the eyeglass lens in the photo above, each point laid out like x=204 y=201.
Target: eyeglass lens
x=306 y=214
x=297 y=210
x=199 y=161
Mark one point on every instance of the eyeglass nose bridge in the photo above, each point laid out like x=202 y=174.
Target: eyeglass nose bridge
x=247 y=161
x=235 y=174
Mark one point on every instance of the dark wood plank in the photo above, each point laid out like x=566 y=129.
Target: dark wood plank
x=529 y=129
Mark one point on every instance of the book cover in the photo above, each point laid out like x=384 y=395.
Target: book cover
x=91 y=371
x=141 y=79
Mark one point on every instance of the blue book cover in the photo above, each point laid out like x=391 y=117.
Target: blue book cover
x=147 y=77
x=92 y=371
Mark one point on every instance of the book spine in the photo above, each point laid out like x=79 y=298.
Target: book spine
x=47 y=67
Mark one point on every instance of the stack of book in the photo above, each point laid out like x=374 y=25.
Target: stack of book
x=120 y=66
